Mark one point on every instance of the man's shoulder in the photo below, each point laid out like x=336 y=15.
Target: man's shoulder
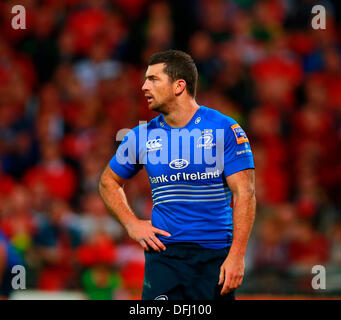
x=217 y=117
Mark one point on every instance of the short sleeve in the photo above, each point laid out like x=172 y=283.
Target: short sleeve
x=237 y=150
x=125 y=162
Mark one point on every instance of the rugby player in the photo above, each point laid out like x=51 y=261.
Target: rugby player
x=203 y=211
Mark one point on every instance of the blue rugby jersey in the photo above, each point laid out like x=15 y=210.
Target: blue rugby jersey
x=187 y=170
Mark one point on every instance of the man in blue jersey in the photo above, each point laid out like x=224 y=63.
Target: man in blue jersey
x=201 y=170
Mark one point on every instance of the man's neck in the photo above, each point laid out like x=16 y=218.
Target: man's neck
x=181 y=114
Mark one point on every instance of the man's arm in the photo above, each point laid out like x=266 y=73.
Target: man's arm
x=242 y=185
x=111 y=191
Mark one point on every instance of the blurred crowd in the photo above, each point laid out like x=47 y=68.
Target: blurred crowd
x=72 y=79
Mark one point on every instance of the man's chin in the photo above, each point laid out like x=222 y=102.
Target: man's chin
x=155 y=107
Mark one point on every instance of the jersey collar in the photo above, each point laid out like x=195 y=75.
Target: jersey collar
x=194 y=120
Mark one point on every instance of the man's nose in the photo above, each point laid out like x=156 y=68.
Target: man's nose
x=145 y=86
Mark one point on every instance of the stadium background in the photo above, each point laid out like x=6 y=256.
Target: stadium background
x=73 y=78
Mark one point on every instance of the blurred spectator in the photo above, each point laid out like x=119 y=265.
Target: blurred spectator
x=57 y=177
x=308 y=247
x=41 y=44
x=99 y=248
x=72 y=80
x=17 y=220
x=86 y=24
x=98 y=67
x=9 y=257
x=335 y=239
x=55 y=243
x=22 y=154
x=92 y=168
x=271 y=249
x=49 y=119
x=7 y=183
x=101 y=282
x=95 y=219
x=202 y=51
x=97 y=256
x=159 y=29
x=82 y=136
x=132 y=274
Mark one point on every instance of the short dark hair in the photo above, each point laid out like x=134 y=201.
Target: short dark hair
x=179 y=65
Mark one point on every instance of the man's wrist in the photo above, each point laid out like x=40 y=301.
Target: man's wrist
x=236 y=254
x=132 y=220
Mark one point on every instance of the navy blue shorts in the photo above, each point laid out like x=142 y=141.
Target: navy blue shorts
x=184 y=272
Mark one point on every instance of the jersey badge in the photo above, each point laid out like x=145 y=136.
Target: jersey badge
x=206 y=140
x=239 y=133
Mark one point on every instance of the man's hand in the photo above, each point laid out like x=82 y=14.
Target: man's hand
x=231 y=274
x=143 y=232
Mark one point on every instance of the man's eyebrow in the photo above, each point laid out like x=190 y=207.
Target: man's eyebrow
x=151 y=77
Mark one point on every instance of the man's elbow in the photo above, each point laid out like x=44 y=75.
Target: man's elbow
x=252 y=193
x=102 y=185
x=107 y=184
x=252 y=196
x=252 y=199
x=246 y=194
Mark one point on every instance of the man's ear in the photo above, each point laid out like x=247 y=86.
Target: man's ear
x=179 y=86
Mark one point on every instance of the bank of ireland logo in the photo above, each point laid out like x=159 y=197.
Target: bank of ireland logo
x=206 y=139
x=154 y=145
x=179 y=164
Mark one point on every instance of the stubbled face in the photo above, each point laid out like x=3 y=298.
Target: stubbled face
x=157 y=88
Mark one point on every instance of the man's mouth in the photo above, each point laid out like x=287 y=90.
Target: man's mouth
x=149 y=98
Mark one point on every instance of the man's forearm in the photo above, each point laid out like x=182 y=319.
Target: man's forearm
x=142 y=231
x=116 y=202
x=244 y=208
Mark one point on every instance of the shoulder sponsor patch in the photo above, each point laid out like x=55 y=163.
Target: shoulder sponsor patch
x=239 y=134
